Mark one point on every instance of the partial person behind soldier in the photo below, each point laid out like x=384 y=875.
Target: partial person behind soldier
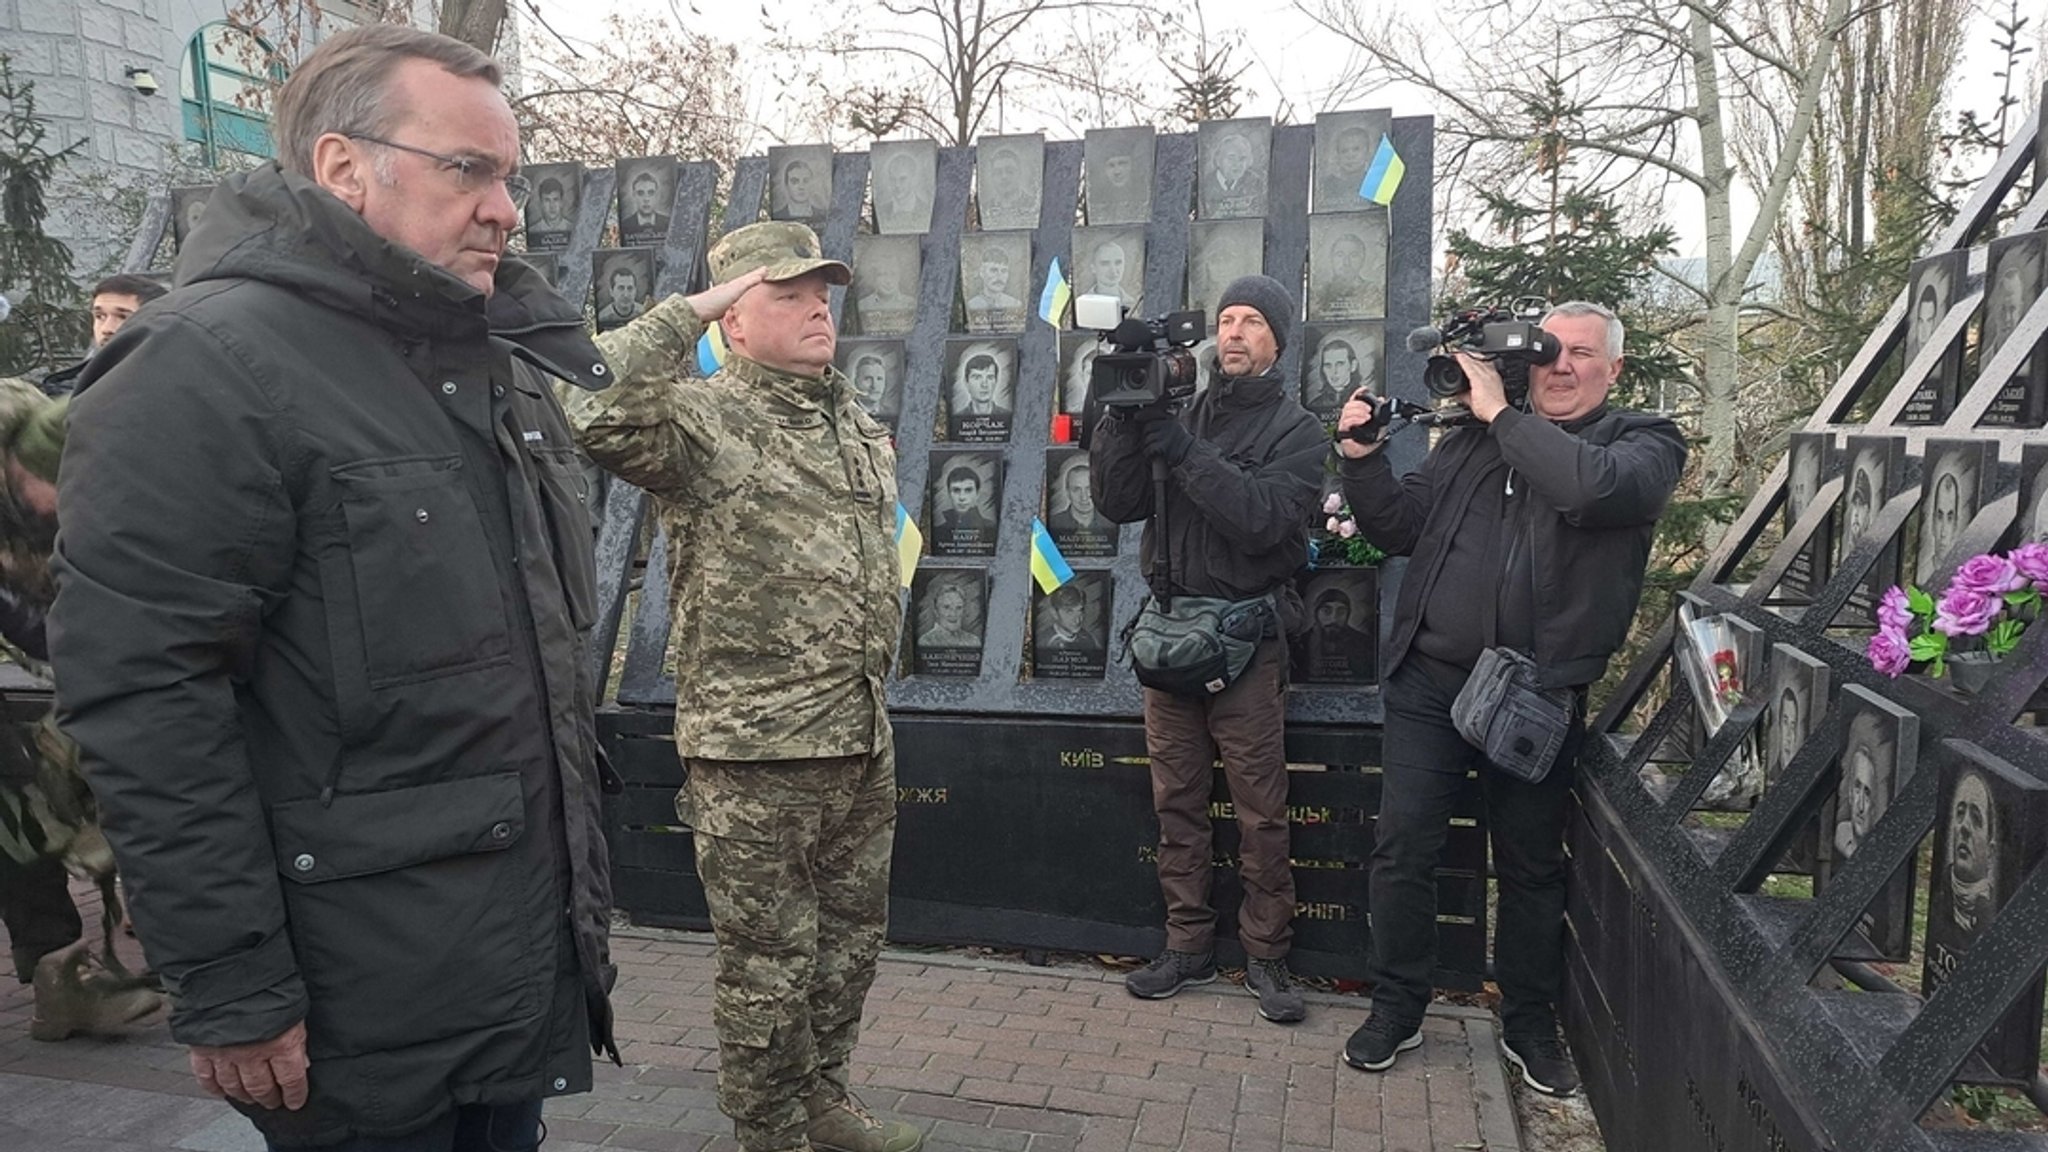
x=324 y=593
x=790 y=630
x=1244 y=463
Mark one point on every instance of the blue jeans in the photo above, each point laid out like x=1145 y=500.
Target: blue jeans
x=469 y=1128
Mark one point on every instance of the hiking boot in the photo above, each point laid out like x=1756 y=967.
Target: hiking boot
x=1543 y=1062
x=1279 y=1000
x=1379 y=1041
x=1170 y=973
x=843 y=1125
x=70 y=1002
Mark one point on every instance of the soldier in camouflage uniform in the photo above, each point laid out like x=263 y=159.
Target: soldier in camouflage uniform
x=47 y=818
x=779 y=493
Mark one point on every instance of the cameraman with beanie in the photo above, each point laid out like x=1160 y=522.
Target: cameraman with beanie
x=1528 y=529
x=1244 y=464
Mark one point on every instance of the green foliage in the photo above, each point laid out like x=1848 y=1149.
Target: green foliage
x=47 y=324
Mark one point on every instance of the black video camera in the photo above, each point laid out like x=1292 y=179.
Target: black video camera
x=1507 y=336
x=1148 y=370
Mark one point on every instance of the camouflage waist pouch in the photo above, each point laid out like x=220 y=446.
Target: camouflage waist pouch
x=1199 y=646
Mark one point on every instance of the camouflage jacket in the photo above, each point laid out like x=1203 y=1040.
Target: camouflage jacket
x=779 y=495
x=27 y=417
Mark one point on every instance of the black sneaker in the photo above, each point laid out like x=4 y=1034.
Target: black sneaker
x=1378 y=1041
x=1279 y=1000
x=1543 y=1061
x=1170 y=973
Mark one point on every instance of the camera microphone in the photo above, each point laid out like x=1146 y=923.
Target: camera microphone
x=1425 y=338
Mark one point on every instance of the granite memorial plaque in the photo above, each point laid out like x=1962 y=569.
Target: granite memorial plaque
x=1931 y=286
x=1110 y=262
x=1070 y=516
x=1991 y=830
x=1231 y=161
x=1119 y=167
x=1339 y=361
x=2014 y=280
x=1798 y=694
x=187 y=206
x=885 y=277
x=800 y=182
x=904 y=174
x=875 y=367
x=1345 y=145
x=1220 y=251
x=1952 y=487
x=2032 y=522
x=950 y=610
x=1070 y=628
x=647 y=194
x=1078 y=351
x=1347 y=266
x=1009 y=176
x=551 y=213
x=966 y=491
x=1874 y=474
x=1806 y=468
x=995 y=274
x=1343 y=638
x=1880 y=744
x=545 y=263
x=982 y=376
x=623 y=279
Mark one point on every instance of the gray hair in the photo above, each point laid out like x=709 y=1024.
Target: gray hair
x=1615 y=335
x=344 y=86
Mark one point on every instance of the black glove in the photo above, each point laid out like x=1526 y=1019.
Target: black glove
x=1167 y=440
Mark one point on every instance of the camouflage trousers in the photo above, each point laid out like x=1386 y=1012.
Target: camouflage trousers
x=48 y=824
x=794 y=858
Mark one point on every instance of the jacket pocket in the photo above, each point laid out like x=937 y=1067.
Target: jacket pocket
x=429 y=596
x=565 y=495
x=416 y=914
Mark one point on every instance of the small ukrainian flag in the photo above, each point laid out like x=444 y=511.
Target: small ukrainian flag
x=1383 y=175
x=1052 y=303
x=909 y=544
x=1048 y=567
x=711 y=350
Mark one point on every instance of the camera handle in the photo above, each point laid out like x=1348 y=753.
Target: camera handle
x=1161 y=576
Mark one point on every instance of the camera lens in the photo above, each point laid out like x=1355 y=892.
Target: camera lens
x=1444 y=376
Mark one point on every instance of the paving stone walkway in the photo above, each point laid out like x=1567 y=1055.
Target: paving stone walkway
x=983 y=1056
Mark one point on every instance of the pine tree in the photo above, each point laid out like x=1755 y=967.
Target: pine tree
x=47 y=322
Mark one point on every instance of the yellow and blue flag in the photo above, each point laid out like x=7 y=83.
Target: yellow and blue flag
x=1048 y=566
x=1052 y=302
x=909 y=544
x=1383 y=175
x=711 y=350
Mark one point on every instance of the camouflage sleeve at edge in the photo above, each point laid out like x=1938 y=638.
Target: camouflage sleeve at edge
x=652 y=426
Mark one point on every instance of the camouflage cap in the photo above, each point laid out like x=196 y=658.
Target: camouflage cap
x=787 y=250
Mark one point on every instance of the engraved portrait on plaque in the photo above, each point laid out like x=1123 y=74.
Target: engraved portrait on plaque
x=1008 y=172
x=885 y=279
x=1878 y=752
x=551 y=213
x=1119 y=165
x=622 y=279
x=1930 y=287
x=1342 y=642
x=1220 y=251
x=875 y=370
x=1345 y=145
x=982 y=378
x=800 y=182
x=187 y=206
x=995 y=270
x=949 y=610
x=1070 y=628
x=2013 y=278
x=1347 y=266
x=1232 y=156
x=1110 y=262
x=647 y=194
x=905 y=175
x=1339 y=361
x=1070 y=516
x=966 y=490
x=1951 y=492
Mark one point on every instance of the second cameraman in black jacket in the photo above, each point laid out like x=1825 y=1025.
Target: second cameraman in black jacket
x=1246 y=462
x=1531 y=530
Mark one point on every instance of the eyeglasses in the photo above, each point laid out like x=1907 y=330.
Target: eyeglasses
x=471 y=174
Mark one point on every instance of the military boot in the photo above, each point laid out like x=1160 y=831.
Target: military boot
x=840 y=1124
x=70 y=1002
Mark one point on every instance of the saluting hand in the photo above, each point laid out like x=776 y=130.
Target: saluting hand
x=713 y=302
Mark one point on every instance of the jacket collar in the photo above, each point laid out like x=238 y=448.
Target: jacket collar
x=1244 y=392
x=790 y=388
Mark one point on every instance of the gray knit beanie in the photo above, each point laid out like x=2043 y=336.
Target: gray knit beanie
x=1264 y=293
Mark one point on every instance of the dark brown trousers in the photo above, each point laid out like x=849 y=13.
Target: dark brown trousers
x=1246 y=725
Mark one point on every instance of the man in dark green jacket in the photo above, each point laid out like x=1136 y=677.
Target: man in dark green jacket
x=323 y=595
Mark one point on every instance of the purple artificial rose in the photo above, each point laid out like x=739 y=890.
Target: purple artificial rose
x=1333 y=503
x=2031 y=559
x=1987 y=575
x=1888 y=653
x=1965 y=611
x=1892 y=611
